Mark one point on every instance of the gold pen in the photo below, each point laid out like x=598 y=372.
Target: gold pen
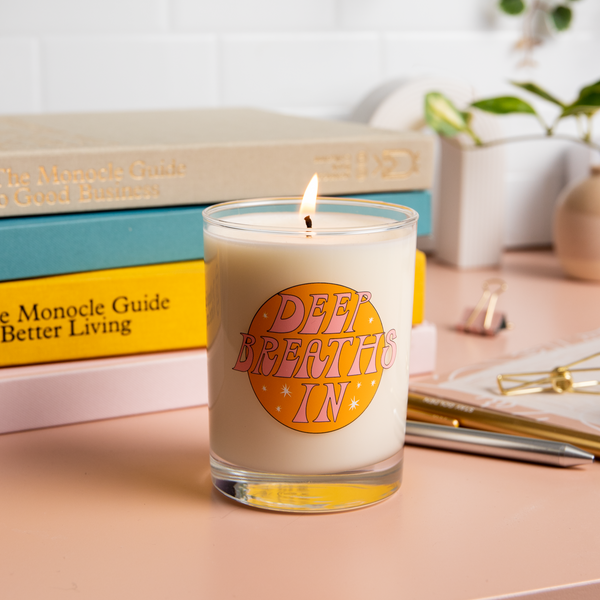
x=421 y=407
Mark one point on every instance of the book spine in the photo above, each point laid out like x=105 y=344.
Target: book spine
x=419 y=200
x=58 y=244
x=112 y=179
x=103 y=313
x=48 y=395
x=418 y=315
x=54 y=394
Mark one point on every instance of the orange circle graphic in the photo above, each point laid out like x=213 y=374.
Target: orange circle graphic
x=313 y=355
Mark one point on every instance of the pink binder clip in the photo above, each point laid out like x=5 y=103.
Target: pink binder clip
x=486 y=321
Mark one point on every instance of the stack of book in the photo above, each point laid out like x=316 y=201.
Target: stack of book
x=102 y=308
x=423 y=343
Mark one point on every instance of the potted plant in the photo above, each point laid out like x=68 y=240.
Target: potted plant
x=540 y=19
x=577 y=218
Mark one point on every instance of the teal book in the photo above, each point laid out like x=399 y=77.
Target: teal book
x=73 y=243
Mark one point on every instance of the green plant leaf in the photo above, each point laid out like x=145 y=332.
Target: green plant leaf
x=590 y=96
x=581 y=109
x=587 y=103
x=512 y=7
x=442 y=116
x=504 y=105
x=538 y=91
x=588 y=90
x=561 y=17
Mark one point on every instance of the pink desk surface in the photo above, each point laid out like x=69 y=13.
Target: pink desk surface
x=124 y=509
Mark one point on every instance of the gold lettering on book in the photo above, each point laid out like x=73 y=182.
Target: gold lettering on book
x=88 y=193
x=362 y=166
x=390 y=164
x=397 y=164
x=52 y=176
x=24 y=197
x=140 y=169
x=14 y=179
x=334 y=167
x=52 y=185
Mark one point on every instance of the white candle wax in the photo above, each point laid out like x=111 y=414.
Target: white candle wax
x=287 y=402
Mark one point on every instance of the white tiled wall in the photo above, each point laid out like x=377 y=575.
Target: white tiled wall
x=117 y=71
x=310 y=57
x=316 y=56
x=254 y=16
x=303 y=72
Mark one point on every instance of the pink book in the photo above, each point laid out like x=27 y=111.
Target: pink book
x=53 y=394
x=86 y=390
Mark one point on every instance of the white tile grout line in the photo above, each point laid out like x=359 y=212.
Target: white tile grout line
x=166 y=10
x=38 y=79
x=219 y=71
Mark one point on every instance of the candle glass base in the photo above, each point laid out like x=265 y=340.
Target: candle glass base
x=332 y=492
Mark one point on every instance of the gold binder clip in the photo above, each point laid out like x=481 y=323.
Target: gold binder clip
x=559 y=380
x=488 y=322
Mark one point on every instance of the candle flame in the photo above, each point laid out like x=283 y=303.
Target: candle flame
x=309 y=200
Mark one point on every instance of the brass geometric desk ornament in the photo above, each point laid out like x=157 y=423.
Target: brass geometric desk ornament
x=559 y=380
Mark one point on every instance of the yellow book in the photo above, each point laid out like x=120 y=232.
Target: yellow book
x=103 y=313
x=419 y=296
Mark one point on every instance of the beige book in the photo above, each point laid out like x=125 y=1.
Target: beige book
x=65 y=163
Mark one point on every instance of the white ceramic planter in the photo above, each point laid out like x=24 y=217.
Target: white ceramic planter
x=468 y=191
x=471 y=206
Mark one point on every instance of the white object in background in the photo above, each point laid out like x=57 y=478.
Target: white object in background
x=471 y=206
x=535 y=176
x=467 y=211
x=580 y=160
x=423 y=348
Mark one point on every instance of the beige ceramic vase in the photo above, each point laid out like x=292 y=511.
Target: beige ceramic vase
x=577 y=228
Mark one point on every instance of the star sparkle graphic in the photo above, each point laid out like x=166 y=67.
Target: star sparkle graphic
x=373 y=383
x=264 y=388
x=278 y=409
x=353 y=403
x=285 y=390
x=265 y=315
x=371 y=320
x=358 y=384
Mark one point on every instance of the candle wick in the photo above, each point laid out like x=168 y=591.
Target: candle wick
x=308 y=221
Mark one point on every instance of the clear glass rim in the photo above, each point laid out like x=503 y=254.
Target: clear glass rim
x=406 y=216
